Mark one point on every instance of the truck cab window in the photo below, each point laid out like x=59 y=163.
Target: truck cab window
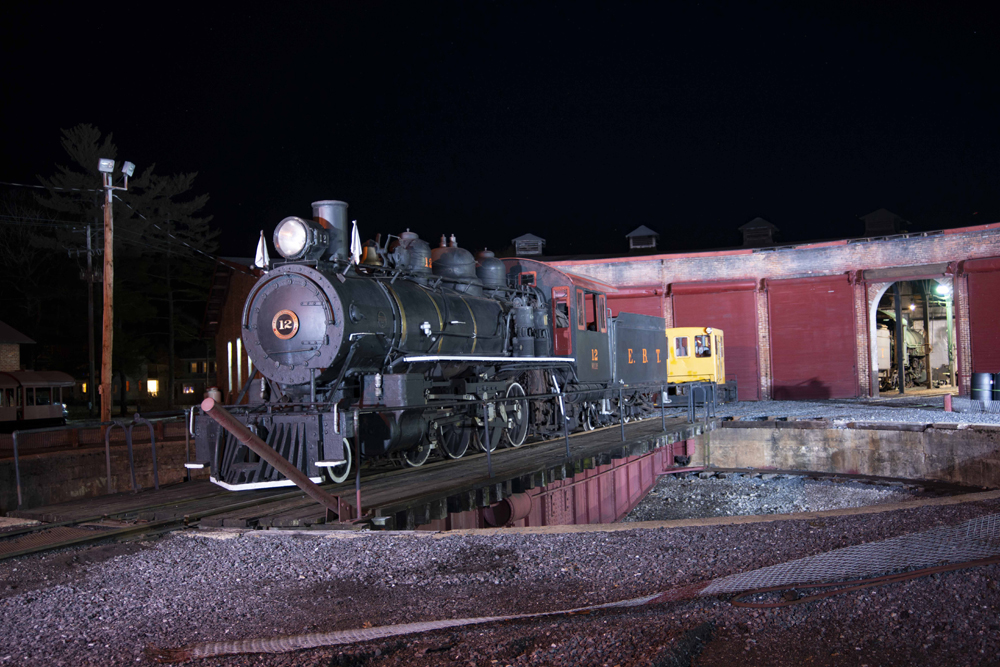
x=681 y=346
x=702 y=346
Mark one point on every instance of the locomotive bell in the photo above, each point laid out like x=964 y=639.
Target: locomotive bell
x=369 y=254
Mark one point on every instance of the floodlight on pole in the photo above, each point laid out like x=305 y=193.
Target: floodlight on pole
x=106 y=167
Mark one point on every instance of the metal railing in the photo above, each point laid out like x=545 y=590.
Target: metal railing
x=709 y=400
x=109 y=427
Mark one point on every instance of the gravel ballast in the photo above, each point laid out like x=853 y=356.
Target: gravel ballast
x=915 y=409
x=104 y=605
x=691 y=496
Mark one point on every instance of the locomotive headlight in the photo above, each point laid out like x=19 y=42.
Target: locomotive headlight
x=296 y=238
x=290 y=237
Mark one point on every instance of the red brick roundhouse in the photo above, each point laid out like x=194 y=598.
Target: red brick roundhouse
x=801 y=321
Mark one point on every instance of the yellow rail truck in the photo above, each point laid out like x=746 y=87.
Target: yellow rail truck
x=698 y=354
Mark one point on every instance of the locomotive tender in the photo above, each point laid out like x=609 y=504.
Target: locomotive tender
x=416 y=349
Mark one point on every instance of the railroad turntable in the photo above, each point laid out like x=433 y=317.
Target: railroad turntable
x=259 y=582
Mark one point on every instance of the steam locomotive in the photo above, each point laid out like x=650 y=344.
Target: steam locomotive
x=414 y=351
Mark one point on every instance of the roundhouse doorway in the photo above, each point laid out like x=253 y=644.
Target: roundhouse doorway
x=913 y=336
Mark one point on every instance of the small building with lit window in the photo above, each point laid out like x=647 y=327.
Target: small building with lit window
x=11 y=341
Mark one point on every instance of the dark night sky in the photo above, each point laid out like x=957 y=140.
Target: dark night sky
x=571 y=120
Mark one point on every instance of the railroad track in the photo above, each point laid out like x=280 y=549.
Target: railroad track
x=189 y=511
x=40 y=537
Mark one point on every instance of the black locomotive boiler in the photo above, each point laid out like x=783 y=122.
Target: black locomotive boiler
x=414 y=351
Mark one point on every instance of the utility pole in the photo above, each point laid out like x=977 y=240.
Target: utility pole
x=90 y=326
x=90 y=277
x=106 y=167
x=109 y=306
x=900 y=343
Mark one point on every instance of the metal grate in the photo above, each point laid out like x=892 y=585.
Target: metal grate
x=967 y=405
x=972 y=540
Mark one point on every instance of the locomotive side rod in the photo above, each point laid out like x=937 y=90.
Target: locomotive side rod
x=264 y=451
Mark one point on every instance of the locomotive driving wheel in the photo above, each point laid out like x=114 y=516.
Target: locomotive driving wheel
x=516 y=407
x=454 y=439
x=496 y=430
x=417 y=455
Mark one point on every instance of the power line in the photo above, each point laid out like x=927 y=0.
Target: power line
x=18 y=221
x=52 y=187
x=214 y=258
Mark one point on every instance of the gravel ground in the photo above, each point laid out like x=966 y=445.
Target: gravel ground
x=693 y=496
x=104 y=605
x=916 y=409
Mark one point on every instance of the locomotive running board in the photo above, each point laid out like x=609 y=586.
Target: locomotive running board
x=413 y=359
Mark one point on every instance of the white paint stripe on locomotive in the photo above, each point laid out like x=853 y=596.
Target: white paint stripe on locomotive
x=438 y=357
x=258 y=485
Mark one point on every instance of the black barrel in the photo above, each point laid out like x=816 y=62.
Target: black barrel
x=982 y=386
x=996 y=386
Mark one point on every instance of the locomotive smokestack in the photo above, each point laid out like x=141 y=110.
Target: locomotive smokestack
x=332 y=214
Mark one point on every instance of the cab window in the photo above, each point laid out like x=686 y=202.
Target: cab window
x=681 y=346
x=718 y=348
x=581 y=310
x=560 y=321
x=602 y=313
x=703 y=346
